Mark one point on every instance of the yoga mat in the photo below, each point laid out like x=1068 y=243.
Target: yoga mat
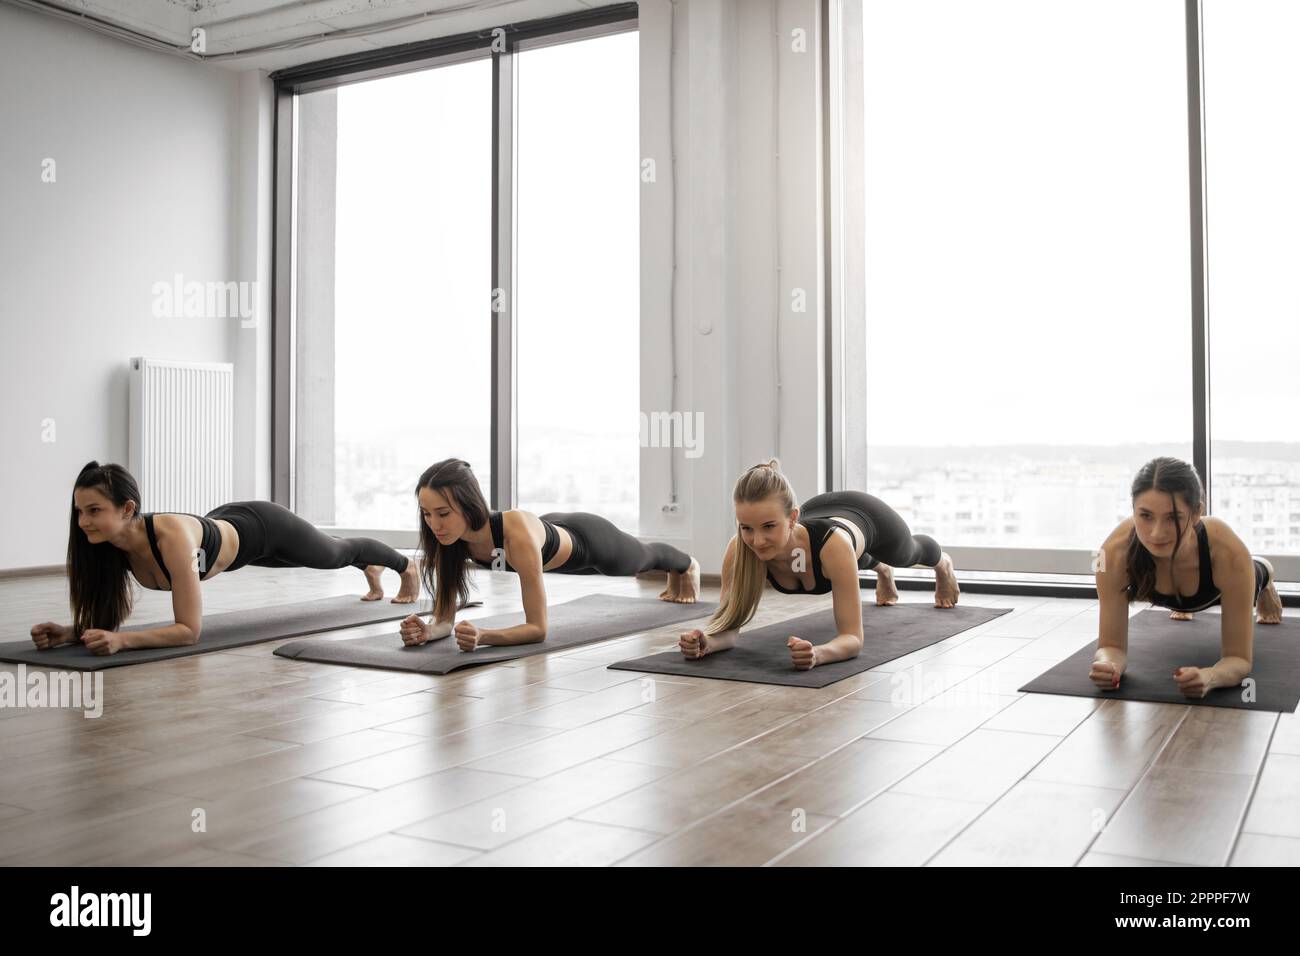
x=761 y=657
x=583 y=620
x=1157 y=646
x=230 y=629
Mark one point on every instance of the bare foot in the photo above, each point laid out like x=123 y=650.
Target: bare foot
x=376 y=591
x=688 y=584
x=946 y=590
x=1180 y=615
x=409 y=592
x=690 y=587
x=1269 y=605
x=886 y=593
x=683 y=586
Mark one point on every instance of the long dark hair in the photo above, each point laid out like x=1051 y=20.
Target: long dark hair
x=99 y=588
x=1174 y=477
x=455 y=481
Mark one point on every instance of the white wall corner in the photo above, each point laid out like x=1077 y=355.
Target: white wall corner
x=801 y=242
x=742 y=113
x=251 y=345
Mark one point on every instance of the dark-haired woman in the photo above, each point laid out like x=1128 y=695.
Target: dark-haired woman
x=109 y=536
x=1171 y=555
x=457 y=527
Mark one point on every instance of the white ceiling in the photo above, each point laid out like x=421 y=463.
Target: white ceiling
x=236 y=26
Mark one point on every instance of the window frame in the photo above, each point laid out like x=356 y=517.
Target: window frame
x=843 y=170
x=406 y=58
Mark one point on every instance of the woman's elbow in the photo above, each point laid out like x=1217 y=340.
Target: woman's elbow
x=854 y=646
x=190 y=636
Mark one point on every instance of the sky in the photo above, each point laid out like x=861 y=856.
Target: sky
x=1027 y=256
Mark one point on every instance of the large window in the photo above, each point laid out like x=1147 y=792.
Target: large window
x=579 y=278
x=1252 y=89
x=462 y=227
x=393 y=328
x=1026 y=269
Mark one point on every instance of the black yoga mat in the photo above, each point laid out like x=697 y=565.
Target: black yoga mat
x=231 y=629
x=761 y=656
x=1157 y=646
x=595 y=617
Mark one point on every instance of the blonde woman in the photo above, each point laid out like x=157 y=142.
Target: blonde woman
x=812 y=550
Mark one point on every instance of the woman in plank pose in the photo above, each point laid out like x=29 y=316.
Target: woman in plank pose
x=457 y=527
x=812 y=550
x=111 y=540
x=1151 y=557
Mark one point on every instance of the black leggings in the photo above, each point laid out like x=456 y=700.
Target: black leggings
x=1261 y=578
x=601 y=548
x=886 y=535
x=272 y=536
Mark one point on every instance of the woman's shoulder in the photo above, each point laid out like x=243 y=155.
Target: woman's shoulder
x=177 y=537
x=819 y=529
x=1115 y=547
x=168 y=524
x=1216 y=529
x=1223 y=541
x=1121 y=533
x=832 y=545
x=518 y=525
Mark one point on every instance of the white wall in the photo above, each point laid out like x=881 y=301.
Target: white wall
x=165 y=166
x=739 y=97
x=253 y=241
x=154 y=166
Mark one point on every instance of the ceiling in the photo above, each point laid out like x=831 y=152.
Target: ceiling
x=237 y=33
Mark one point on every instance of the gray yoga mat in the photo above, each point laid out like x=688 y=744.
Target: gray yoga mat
x=595 y=617
x=761 y=656
x=1158 y=646
x=231 y=629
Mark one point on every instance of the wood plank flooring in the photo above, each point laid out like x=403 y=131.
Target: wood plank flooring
x=241 y=758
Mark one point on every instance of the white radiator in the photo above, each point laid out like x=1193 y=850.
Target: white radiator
x=181 y=447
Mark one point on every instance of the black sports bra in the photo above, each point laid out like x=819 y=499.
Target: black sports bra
x=819 y=529
x=211 y=542
x=549 y=546
x=1206 y=593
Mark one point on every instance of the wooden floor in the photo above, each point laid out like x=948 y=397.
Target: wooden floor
x=932 y=759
